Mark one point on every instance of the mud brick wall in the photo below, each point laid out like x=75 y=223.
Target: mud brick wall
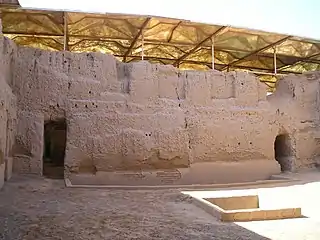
x=145 y=117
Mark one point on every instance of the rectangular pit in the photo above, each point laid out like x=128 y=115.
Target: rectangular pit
x=244 y=208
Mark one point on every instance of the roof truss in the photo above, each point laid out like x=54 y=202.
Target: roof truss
x=168 y=41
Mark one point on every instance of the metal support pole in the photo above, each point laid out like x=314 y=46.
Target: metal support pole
x=65 y=33
x=275 y=60
x=212 y=51
x=142 y=45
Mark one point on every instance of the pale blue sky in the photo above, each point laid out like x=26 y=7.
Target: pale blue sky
x=293 y=17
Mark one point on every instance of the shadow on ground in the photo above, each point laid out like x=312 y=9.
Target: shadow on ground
x=38 y=208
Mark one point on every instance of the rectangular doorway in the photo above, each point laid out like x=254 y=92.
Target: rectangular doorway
x=55 y=136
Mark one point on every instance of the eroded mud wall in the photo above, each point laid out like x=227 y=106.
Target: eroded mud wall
x=142 y=117
x=126 y=120
x=296 y=104
x=7 y=109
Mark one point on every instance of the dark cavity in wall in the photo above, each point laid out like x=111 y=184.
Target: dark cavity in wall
x=284 y=152
x=55 y=134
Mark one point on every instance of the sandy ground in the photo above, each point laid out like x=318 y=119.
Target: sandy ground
x=36 y=208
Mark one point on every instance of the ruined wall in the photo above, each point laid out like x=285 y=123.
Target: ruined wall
x=156 y=124
x=7 y=109
x=296 y=104
x=142 y=117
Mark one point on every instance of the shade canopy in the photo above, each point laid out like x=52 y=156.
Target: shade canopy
x=184 y=44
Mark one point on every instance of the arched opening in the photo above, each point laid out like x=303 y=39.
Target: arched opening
x=54 y=148
x=283 y=152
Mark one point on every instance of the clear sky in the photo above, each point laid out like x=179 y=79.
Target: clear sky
x=292 y=17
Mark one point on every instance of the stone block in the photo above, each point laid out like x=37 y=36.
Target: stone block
x=84 y=89
x=246 y=89
x=137 y=144
x=244 y=209
x=262 y=91
x=173 y=144
x=95 y=106
x=29 y=141
x=92 y=124
x=169 y=85
x=222 y=85
x=21 y=164
x=78 y=153
x=198 y=88
x=306 y=149
x=143 y=83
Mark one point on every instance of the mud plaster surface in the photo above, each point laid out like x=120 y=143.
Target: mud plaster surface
x=36 y=208
x=135 y=118
x=144 y=117
x=139 y=116
x=8 y=110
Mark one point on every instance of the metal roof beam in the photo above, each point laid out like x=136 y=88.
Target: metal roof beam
x=208 y=64
x=306 y=59
x=283 y=58
x=114 y=40
x=199 y=44
x=134 y=41
x=172 y=31
x=259 y=50
x=146 y=41
x=104 y=38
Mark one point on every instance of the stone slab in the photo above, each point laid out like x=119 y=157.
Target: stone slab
x=243 y=209
x=265 y=183
x=199 y=173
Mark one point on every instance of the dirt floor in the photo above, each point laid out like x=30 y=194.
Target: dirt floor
x=37 y=208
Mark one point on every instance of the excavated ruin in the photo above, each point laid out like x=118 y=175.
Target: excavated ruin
x=103 y=121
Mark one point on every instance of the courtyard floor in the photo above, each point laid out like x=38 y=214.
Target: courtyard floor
x=33 y=208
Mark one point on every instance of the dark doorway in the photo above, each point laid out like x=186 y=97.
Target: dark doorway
x=55 y=135
x=283 y=152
